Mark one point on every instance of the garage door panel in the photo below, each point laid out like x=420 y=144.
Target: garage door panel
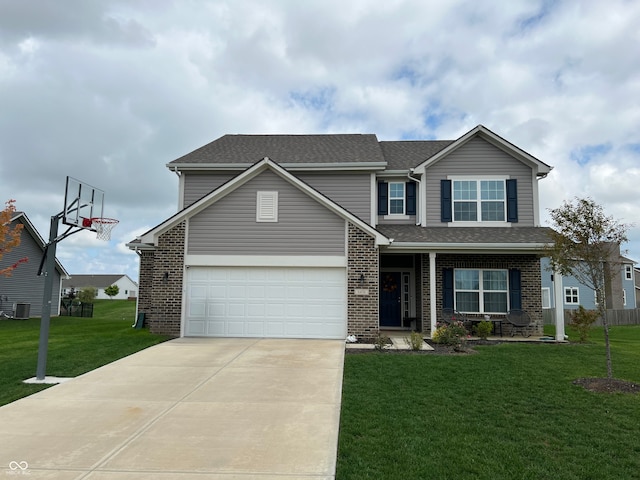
x=266 y=302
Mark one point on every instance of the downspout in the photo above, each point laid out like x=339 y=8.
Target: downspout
x=418 y=211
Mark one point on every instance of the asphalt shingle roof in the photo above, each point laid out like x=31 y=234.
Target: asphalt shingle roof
x=403 y=155
x=471 y=235
x=98 y=281
x=248 y=149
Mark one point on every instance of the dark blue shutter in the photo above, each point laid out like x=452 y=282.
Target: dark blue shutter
x=411 y=198
x=445 y=201
x=512 y=200
x=383 y=198
x=515 y=289
x=447 y=288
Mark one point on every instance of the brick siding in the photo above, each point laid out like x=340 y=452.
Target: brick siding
x=161 y=295
x=529 y=266
x=362 y=310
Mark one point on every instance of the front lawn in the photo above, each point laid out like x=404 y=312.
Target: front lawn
x=76 y=345
x=509 y=411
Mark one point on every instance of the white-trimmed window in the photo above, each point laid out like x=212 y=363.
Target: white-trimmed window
x=628 y=272
x=571 y=296
x=396 y=198
x=481 y=291
x=479 y=201
x=267 y=207
x=546 y=297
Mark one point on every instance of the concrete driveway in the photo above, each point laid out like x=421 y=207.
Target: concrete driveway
x=185 y=409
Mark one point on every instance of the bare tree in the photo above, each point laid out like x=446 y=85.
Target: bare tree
x=586 y=245
x=9 y=237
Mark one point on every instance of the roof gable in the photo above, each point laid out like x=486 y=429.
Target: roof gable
x=540 y=168
x=22 y=218
x=151 y=237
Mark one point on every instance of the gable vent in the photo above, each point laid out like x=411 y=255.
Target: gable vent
x=267 y=207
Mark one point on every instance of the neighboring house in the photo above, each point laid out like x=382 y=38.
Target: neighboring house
x=636 y=277
x=324 y=236
x=24 y=286
x=620 y=289
x=127 y=287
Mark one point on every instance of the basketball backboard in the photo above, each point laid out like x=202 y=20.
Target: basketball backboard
x=81 y=203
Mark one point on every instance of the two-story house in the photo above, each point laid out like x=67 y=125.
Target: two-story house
x=620 y=288
x=324 y=236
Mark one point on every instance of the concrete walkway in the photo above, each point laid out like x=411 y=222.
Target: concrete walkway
x=190 y=408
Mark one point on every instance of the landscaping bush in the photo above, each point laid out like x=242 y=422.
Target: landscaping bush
x=483 y=329
x=453 y=335
x=582 y=320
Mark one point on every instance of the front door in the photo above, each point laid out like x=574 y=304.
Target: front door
x=390 y=299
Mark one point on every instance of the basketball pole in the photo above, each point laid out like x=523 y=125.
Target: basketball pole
x=49 y=274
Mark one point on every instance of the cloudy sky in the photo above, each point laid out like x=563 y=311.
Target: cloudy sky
x=109 y=92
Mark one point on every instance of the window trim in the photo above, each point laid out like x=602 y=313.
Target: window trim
x=572 y=295
x=481 y=290
x=478 y=179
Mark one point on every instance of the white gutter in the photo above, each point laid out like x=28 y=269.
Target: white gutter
x=287 y=165
x=418 y=197
x=471 y=247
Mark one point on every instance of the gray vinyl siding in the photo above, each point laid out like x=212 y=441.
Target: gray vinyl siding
x=410 y=220
x=24 y=285
x=478 y=157
x=229 y=227
x=352 y=191
x=197 y=185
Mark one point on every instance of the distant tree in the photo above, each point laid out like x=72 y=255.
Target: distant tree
x=586 y=245
x=9 y=237
x=87 y=294
x=112 y=291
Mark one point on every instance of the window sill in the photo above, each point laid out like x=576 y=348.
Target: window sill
x=396 y=217
x=479 y=224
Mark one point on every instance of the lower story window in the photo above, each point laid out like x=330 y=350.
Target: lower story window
x=481 y=291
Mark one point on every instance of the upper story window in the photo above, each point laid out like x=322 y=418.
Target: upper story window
x=396 y=198
x=479 y=200
x=571 y=296
x=628 y=272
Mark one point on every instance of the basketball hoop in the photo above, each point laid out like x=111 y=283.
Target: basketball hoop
x=103 y=227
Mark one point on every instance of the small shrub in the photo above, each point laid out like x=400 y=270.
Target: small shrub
x=453 y=335
x=483 y=329
x=380 y=342
x=582 y=320
x=415 y=341
x=87 y=294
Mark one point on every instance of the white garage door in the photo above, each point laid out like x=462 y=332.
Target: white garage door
x=266 y=302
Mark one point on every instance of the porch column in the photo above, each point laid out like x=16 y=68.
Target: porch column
x=432 y=292
x=558 y=296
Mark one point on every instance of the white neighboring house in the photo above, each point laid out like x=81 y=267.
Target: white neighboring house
x=128 y=288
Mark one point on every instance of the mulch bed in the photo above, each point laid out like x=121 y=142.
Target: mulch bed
x=607 y=385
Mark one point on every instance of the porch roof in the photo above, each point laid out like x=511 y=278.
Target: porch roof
x=472 y=239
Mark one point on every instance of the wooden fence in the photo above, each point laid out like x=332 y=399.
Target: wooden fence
x=614 y=317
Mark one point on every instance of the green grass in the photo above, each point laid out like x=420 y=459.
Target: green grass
x=509 y=411
x=76 y=345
